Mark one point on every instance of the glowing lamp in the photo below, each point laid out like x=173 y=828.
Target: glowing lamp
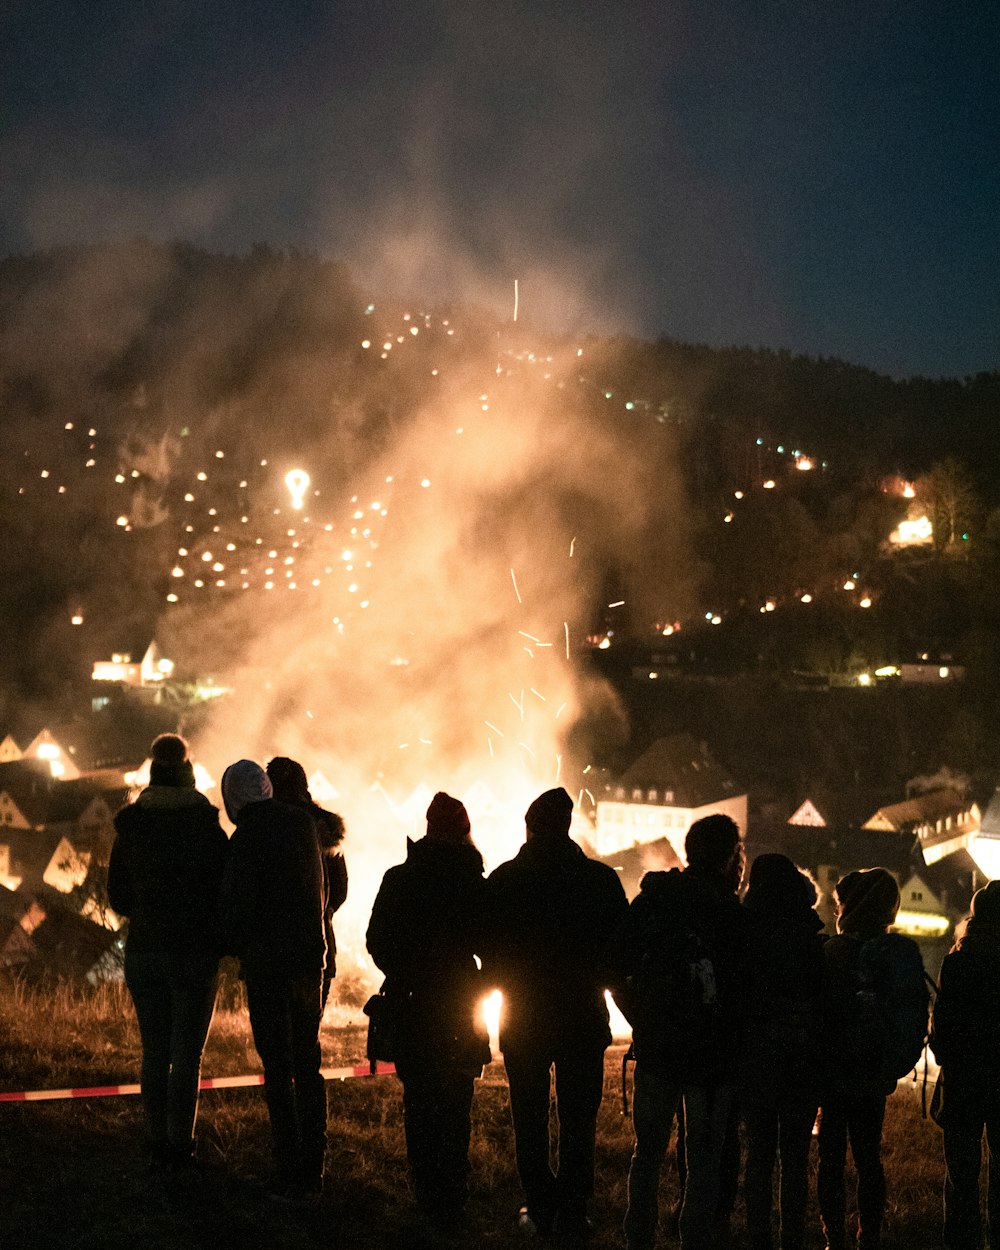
x=297 y=481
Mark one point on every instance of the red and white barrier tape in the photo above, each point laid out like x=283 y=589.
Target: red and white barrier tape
x=208 y=1082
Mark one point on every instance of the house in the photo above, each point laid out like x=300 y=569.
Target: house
x=140 y=665
x=9 y=750
x=985 y=848
x=634 y=862
x=51 y=938
x=59 y=759
x=54 y=832
x=671 y=785
x=944 y=821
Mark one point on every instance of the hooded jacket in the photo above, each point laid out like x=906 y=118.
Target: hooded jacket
x=424 y=933
x=676 y=916
x=552 y=914
x=165 y=871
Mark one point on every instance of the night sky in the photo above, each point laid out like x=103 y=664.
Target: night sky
x=805 y=174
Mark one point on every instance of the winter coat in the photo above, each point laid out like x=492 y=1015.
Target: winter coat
x=683 y=972
x=165 y=871
x=330 y=832
x=272 y=893
x=784 y=998
x=965 y=1035
x=868 y=1020
x=424 y=933
x=551 y=915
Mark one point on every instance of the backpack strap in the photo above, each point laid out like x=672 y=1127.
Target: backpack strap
x=628 y=1055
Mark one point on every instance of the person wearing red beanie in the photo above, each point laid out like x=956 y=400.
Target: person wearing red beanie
x=424 y=934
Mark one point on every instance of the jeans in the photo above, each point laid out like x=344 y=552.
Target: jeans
x=858 y=1118
x=964 y=1121
x=285 y=1017
x=174 y=997
x=655 y=1100
x=782 y=1128
x=437 y=1107
x=579 y=1081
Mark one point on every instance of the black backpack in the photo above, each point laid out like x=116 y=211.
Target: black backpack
x=885 y=1023
x=675 y=995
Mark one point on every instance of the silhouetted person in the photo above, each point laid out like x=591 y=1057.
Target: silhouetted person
x=290 y=785
x=683 y=968
x=966 y=1041
x=779 y=1072
x=272 y=906
x=875 y=1022
x=552 y=913
x=424 y=934
x=164 y=874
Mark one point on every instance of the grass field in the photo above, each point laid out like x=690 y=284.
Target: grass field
x=73 y=1173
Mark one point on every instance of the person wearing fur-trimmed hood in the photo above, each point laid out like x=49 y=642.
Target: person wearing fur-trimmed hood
x=290 y=785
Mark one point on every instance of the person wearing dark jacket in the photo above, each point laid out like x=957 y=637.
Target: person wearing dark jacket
x=682 y=970
x=424 y=934
x=965 y=1038
x=164 y=874
x=290 y=785
x=552 y=913
x=272 y=910
x=779 y=1071
x=873 y=986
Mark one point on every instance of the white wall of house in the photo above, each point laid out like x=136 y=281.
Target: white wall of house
x=622 y=824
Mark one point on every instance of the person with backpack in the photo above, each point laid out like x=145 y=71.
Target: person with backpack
x=164 y=874
x=425 y=932
x=290 y=785
x=965 y=1038
x=874 y=1028
x=682 y=971
x=552 y=913
x=779 y=1078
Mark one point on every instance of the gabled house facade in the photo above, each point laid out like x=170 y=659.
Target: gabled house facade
x=671 y=785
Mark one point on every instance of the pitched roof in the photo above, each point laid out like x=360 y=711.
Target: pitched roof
x=923 y=809
x=64 y=942
x=684 y=766
x=841 y=848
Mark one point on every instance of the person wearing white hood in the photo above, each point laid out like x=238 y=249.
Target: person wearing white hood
x=272 y=917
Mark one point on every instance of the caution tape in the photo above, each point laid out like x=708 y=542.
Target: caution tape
x=208 y=1082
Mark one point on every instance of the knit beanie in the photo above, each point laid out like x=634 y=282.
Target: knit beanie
x=288 y=778
x=447 y=819
x=243 y=783
x=869 y=901
x=169 y=764
x=550 y=815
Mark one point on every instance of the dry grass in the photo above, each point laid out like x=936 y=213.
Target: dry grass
x=73 y=1172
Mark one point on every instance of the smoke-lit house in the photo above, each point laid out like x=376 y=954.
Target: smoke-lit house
x=143 y=665
x=672 y=784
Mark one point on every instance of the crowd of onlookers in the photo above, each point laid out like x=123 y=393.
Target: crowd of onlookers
x=749 y=1024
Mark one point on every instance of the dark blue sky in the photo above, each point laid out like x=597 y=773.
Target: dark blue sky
x=807 y=174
